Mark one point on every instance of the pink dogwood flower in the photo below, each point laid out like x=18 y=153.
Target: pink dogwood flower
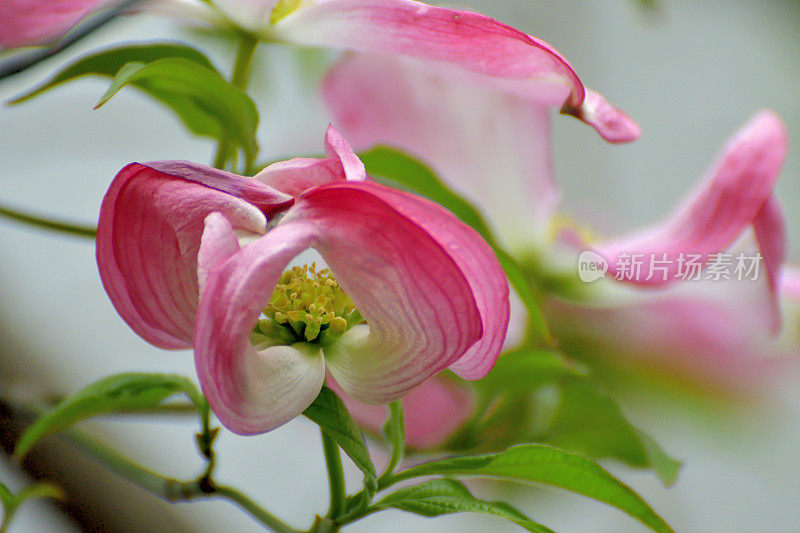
x=487 y=134
x=196 y=257
x=499 y=155
x=718 y=323
x=464 y=47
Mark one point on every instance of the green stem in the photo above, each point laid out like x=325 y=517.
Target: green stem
x=163 y=410
x=47 y=223
x=163 y=487
x=333 y=460
x=174 y=490
x=240 y=78
x=358 y=514
x=357 y=506
x=244 y=61
x=254 y=510
x=359 y=502
x=404 y=475
x=395 y=433
x=206 y=437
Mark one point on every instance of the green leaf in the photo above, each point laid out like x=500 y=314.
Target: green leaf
x=491 y=431
x=397 y=168
x=523 y=370
x=446 y=496
x=665 y=467
x=118 y=393
x=508 y=391
x=329 y=412
x=207 y=103
x=537 y=463
x=107 y=62
x=537 y=325
x=179 y=77
x=590 y=422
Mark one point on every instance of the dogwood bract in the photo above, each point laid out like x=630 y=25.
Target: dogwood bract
x=720 y=330
x=196 y=257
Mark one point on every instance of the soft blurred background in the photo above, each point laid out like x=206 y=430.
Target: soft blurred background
x=689 y=72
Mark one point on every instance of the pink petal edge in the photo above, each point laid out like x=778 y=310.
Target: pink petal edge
x=149 y=231
x=495 y=52
x=295 y=176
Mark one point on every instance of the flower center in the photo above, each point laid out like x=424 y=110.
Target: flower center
x=306 y=306
x=562 y=222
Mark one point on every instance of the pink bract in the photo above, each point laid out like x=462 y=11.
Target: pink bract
x=36 y=22
x=725 y=332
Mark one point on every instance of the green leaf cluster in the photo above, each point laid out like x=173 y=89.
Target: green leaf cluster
x=527 y=463
x=546 y=465
x=177 y=76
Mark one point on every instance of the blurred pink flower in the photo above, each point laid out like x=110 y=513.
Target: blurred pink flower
x=715 y=328
x=191 y=256
x=432 y=412
x=736 y=195
x=498 y=154
x=36 y=22
x=463 y=47
x=482 y=123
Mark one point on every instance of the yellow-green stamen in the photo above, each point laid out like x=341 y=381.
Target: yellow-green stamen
x=306 y=306
x=562 y=222
x=284 y=8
